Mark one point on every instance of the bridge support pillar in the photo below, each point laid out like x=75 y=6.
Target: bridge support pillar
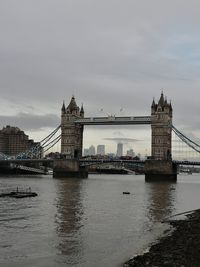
x=68 y=168
x=160 y=170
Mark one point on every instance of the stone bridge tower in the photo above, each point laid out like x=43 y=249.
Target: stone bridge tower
x=71 y=133
x=161 y=113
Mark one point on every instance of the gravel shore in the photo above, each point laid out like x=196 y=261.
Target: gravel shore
x=180 y=249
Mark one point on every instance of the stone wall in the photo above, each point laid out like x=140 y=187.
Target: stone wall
x=161 y=170
x=68 y=168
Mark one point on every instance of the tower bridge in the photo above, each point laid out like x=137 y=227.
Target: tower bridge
x=73 y=122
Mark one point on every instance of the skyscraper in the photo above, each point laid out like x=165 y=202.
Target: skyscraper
x=91 y=150
x=130 y=153
x=119 y=150
x=101 y=150
x=86 y=152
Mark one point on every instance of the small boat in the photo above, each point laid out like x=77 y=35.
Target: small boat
x=19 y=193
x=126 y=193
x=23 y=194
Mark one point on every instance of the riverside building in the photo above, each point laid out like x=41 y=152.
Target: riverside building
x=14 y=141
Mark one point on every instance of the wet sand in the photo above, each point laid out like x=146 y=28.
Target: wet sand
x=181 y=248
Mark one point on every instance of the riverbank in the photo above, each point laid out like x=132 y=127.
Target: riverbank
x=180 y=248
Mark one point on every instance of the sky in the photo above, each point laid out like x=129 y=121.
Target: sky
x=114 y=56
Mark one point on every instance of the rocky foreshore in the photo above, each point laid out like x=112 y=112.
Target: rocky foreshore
x=179 y=249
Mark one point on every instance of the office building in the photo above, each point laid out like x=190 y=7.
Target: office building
x=130 y=153
x=119 y=150
x=14 y=141
x=91 y=150
x=86 y=152
x=101 y=150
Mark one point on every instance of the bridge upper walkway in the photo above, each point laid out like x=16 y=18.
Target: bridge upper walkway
x=112 y=120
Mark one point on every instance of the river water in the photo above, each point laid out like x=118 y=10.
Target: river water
x=90 y=222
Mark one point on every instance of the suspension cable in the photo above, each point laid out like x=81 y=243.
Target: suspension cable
x=52 y=141
x=49 y=136
x=37 y=148
x=52 y=133
x=56 y=141
x=186 y=140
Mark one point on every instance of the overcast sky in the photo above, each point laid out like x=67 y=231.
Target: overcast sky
x=112 y=55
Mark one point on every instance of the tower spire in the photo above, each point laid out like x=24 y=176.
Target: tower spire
x=153 y=103
x=63 y=107
x=161 y=100
x=82 y=111
x=72 y=105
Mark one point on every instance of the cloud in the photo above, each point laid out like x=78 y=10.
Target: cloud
x=110 y=54
x=122 y=140
x=30 y=122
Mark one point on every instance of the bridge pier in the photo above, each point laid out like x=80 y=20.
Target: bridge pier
x=160 y=170
x=68 y=168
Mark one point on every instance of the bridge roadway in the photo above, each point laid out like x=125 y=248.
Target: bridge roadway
x=97 y=161
x=86 y=162
x=187 y=163
x=112 y=120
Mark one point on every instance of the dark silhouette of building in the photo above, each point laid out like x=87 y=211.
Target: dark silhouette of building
x=14 y=141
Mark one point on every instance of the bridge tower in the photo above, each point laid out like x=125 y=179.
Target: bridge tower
x=71 y=133
x=161 y=166
x=161 y=113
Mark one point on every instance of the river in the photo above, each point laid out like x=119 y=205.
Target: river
x=90 y=222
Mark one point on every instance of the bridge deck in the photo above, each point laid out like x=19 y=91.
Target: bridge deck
x=112 y=120
x=88 y=161
x=101 y=161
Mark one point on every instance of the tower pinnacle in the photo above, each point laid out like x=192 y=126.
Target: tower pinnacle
x=63 y=107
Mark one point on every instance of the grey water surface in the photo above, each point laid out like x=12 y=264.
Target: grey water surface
x=87 y=223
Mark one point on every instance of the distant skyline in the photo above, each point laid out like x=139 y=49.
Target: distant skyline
x=102 y=150
x=113 y=55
